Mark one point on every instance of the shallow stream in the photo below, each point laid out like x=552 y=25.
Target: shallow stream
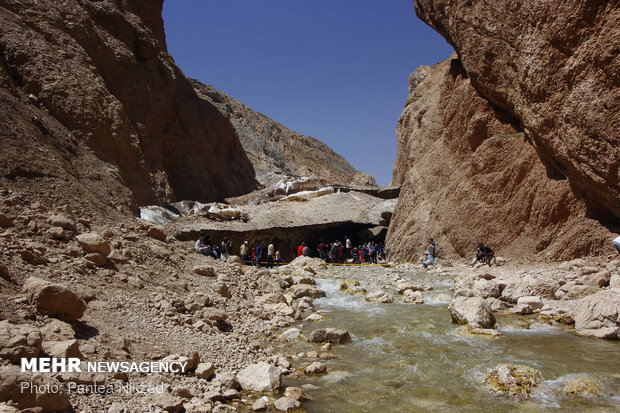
x=410 y=358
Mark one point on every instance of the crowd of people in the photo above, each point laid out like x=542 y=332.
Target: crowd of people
x=334 y=252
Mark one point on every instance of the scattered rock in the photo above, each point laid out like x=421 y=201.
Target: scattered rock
x=205 y=370
x=32 y=258
x=291 y=335
x=158 y=233
x=285 y=404
x=296 y=393
x=260 y=404
x=528 y=305
x=260 y=377
x=62 y=349
x=583 y=386
x=204 y=270
x=473 y=311
x=379 y=296
x=11 y=378
x=93 y=242
x=598 y=315
x=54 y=299
x=19 y=340
x=96 y=258
x=306 y=280
x=413 y=297
x=305 y=290
x=62 y=222
x=314 y=317
x=513 y=379
x=487 y=288
x=315 y=368
x=330 y=335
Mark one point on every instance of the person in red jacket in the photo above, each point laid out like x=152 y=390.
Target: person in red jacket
x=300 y=249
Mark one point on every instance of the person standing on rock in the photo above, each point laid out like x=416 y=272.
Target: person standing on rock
x=484 y=255
x=348 y=246
x=617 y=244
x=322 y=250
x=278 y=258
x=432 y=248
x=224 y=249
x=243 y=252
x=270 y=252
x=258 y=252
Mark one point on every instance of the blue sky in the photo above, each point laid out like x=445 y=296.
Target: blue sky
x=333 y=69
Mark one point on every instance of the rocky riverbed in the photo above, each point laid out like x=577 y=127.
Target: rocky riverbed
x=130 y=291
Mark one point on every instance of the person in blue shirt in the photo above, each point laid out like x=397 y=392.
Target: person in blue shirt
x=258 y=251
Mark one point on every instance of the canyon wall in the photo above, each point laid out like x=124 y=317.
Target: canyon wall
x=555 y=66
x=95 y=111
x=513 y=141
x=277 y=151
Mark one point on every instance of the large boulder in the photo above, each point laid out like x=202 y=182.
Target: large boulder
x=528 y=305
x=305 y=290
x=487 y=288
x=473 y=311
x=285 y=404
x=598 y=315
x=513 y=379
x=93 y=242
x=53 y=400
x=19 y=340
x=379 y=296
x=315 y=368
x=260 y=377
x=54 y=299
x=413 y=297
x=62 y=221
x=62 y=349
x=330 y=335
x=204 y=270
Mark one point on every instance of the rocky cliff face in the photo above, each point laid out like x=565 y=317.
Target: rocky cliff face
x=94 y=109
x=513 y=141
x=276 y=151
x=555 y=67
x=470 y=173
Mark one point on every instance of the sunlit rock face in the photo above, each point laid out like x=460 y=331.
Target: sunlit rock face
x=513 y=141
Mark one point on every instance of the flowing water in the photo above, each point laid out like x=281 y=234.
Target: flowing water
x=410 y=358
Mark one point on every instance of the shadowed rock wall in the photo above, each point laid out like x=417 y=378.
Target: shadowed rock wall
x=110 y=113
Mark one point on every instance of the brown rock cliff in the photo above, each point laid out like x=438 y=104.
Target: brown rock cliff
x=277 y=151
x=95 y=110
x=470 y=173
x=554 y=65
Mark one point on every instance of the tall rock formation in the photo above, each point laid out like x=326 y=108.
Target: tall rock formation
x=514 y=141
x=95 y=110
x=555 y=66
x=276 y=151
